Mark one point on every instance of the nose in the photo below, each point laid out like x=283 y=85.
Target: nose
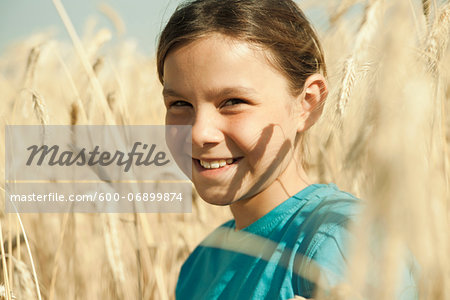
x=206 y=129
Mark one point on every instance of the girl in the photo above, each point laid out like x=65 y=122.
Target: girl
x=248 y=75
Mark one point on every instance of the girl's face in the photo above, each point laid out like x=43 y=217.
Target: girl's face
x=242 y=113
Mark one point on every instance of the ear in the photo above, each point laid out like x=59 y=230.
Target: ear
x=311 y=100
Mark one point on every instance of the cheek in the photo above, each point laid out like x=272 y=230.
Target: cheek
x=244 y=131
x=261 y=141
x=177 y=140
x=272 y=148
x=178 y=119
x=168 y=120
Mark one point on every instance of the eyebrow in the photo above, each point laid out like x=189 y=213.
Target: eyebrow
x=218 y=93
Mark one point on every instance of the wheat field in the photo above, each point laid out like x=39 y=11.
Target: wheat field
x=384 y=136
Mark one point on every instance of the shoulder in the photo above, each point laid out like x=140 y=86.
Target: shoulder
x=321 y=213
x=327 y=209
x=324 y=224
x=327 y=215
x=328 y=197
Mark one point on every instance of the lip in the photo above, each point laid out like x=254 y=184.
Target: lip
x=214 y=172
x=212 y=159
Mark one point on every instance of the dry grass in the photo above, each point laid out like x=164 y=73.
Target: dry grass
x=384 y=137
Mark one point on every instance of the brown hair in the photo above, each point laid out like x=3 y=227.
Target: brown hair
x=277 y=25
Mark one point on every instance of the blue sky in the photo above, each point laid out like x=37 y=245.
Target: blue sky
x=143 y=19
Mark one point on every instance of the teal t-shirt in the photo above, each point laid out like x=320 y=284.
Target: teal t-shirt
x=279 y=255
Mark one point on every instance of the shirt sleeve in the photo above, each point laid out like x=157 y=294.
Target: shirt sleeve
x=324 y=261
x=330 y=255
x=322 y=252
x=330 y=258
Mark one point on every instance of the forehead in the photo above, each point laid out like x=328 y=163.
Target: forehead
x=216 y=59
x=213 y=49
x=210 y=43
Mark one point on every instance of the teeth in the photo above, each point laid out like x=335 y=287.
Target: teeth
x=216 y=163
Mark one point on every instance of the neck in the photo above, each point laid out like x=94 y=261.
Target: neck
x=291 y=181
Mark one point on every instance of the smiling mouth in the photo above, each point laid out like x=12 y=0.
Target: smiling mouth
x=216 y=164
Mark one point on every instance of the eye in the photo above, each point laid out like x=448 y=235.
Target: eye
x=233 y=101
x=179 y=103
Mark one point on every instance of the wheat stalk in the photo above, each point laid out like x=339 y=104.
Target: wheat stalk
x=359 y=53
x=5 y=269
x=36 y=282
x=39 y=107
x=10 y=248
x=115 y=18
x=57 y=256
x=24 y=280
x=83 y=58
x=112 y=247
x=343 y=7
x=437 y=41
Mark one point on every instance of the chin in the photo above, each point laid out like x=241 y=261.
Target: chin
x=214 y=198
